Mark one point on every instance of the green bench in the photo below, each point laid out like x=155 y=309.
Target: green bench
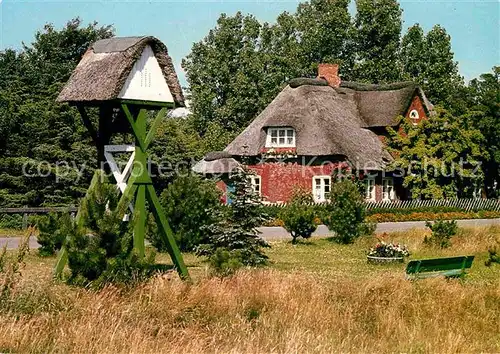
x=447 y=267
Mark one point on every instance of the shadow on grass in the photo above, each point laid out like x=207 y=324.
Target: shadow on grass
x=302 y=242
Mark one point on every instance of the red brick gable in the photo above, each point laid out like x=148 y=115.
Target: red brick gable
x=417 y=105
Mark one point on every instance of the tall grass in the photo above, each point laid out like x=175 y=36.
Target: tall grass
x=262 y=311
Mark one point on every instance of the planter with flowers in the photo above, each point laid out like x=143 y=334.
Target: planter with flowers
x=387 y=253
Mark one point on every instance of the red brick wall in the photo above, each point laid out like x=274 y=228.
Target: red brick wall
x=416 y=104
x=279 y=179
x=221 y=185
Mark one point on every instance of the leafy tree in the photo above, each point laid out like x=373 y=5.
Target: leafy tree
x=441 y=78
x=189 y=203
x=345 y=214
x=326 y=32
x=485 y=103
x=241 y=65
x=378 y=31
x=33 y=128
x=439 y=157
x=413 y=54
x=234 y=238
x=224 y=72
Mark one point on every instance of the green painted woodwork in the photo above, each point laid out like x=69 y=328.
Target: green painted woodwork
x=154 y=127
x=167 y=233
x=153 y=104
x=139 y=184
x=447 y=267
x=140 y=219
x=135 y=129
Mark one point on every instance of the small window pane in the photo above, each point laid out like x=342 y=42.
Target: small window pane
x=282 y=132
x=289 y=132
x=282 y=141
x=289 y=141
x=274 y=140
x=327 y=182
x=274 y=133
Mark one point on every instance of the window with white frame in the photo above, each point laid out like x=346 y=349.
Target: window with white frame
x=255 y=182
x=370 y=188
x=414 y=116
x=321 y=188
x=280 y=137
x=388 y=189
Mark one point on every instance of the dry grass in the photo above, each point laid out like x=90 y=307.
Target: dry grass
x=316 y=298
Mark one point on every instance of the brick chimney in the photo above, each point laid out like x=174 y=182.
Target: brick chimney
x=329 y=72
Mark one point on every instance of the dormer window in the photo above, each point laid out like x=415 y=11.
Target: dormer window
x=280 y=137
x=414 y=116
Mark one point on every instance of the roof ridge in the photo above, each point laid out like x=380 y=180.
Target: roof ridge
x=361 y=86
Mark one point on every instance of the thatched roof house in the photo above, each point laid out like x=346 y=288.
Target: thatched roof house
x=316 y=127
x=331 y=120
x=127 y=68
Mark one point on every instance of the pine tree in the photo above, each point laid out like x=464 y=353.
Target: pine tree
x=234 y=240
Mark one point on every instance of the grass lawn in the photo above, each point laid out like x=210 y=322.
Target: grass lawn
x=315 y=297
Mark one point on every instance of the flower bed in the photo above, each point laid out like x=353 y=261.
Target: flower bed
x=423 y=216
x=384 y=252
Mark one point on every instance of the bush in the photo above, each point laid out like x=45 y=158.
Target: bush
x=298 y=220
x=189 y=203
x=224 y=262
x=442 y=232
x=299 y=216
x=345 y=214
x=53 y=229
x=233 y=240
x=14 y=221
x=100 y=248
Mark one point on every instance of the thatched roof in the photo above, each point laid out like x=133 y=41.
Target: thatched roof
x=218 y=162
x=105 y=66
x=326 y=121
x=380 y=105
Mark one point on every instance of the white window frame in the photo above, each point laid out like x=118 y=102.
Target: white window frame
x=370 y=189
x=274 y=135
x=256 y=184
x=319 y=184
x=388 y=194
x=414 y=116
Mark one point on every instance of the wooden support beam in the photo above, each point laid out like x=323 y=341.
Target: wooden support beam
x=139 y=219
x=154 y=127
x=88 y=124
x=167 y=233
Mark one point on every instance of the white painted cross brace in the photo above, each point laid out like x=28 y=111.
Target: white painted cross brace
x=121 y=177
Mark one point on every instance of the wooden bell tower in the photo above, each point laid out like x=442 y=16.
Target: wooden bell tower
x=126 y=78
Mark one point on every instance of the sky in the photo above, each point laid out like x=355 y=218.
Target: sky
x=473 y=25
